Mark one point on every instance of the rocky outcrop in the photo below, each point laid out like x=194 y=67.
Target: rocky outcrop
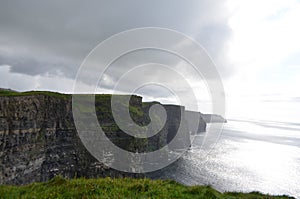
x=213 y=118
x=191 y=117
x=38 y=141
x=38 y=138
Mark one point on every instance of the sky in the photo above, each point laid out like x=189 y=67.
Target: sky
x=254 y=44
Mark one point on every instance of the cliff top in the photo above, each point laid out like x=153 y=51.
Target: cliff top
x=99 y=97
x=8 y=93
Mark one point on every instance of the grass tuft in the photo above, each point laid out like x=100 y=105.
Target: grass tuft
x=59 y=187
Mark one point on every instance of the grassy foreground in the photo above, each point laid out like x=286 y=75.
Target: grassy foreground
x=117 y=188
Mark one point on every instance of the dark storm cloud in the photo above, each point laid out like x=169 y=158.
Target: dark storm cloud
x=53 y=37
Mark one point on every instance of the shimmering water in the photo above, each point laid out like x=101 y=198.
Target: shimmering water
x=249 y=156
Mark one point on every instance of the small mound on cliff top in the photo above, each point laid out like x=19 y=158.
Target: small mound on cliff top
x=118 y=188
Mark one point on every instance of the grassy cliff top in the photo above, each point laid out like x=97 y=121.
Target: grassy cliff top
x=7 y=93
x=118 y=188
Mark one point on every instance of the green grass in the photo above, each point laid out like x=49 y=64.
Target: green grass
x=30 y=93
x=98 y=97
x=117 y=188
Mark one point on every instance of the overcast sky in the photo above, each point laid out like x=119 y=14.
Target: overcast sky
x=254 y=43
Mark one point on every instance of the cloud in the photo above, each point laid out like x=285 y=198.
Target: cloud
x=24 y=82
x=50 y=39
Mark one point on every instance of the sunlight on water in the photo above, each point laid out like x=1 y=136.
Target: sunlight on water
x=249 y=156
x=274 y=166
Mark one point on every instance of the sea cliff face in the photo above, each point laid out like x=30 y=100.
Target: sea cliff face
x=38 y=138
x=213 y=118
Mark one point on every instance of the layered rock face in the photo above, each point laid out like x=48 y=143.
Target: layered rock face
x=213 y=118
x=192 y=116
x=38 y=138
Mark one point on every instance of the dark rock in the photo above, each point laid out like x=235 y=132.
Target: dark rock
x=213 y=118
x=38 y=138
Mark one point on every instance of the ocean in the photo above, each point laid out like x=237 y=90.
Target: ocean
x=245 y=155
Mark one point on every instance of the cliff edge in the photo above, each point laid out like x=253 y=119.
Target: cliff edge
x=38 y=138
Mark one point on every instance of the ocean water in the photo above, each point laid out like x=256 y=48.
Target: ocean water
x=246 y=156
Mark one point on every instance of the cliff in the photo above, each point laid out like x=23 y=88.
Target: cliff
x=213 y=118
x=195 y=116
x=38 y=138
